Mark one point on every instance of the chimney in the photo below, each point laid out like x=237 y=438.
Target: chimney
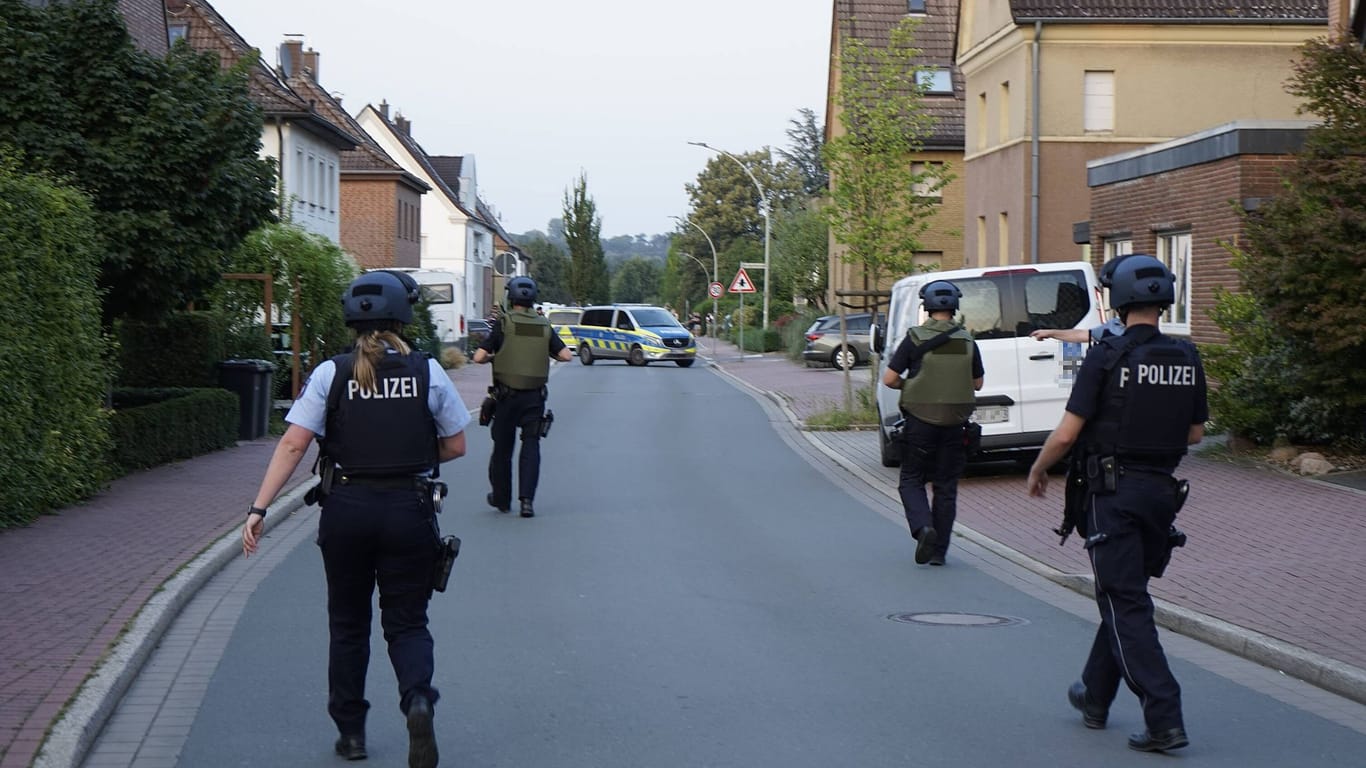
x=291 y=57
x=404 y=125
x=311 y=63
x=384 y=110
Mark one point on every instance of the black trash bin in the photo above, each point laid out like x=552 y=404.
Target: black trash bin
x=252 y=381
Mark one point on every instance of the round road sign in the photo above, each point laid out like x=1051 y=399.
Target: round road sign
x=714 y=290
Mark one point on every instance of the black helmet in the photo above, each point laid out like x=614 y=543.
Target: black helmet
x=1107 y=271
x=940 y=295
x=380 y=295
x=521 y=291
x=1141 y=279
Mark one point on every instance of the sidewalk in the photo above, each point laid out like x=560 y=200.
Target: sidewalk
x=1274 y=569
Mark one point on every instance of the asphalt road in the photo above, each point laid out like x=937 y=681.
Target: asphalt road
x=694 y=591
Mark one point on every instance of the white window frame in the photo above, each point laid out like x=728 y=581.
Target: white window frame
x=1174 y=250
x=1098 y=101
x=929 y=188
x=935 y=80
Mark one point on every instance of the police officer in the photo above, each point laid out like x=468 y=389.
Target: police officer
x=943 y=368
x=1138 y=402
x=520 y=347
x=385 y=416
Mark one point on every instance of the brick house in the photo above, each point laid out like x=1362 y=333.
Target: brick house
x=146 y=23
x=304 y=143
x=871 y=22
x=381 y=205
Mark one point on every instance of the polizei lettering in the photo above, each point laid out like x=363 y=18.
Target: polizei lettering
x=390 y=389
x=1161 y=375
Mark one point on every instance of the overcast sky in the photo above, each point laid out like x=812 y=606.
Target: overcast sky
x=536 y=90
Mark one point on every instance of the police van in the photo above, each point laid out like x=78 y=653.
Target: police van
x=640 y=334
x=1027 y=381
x=562 y=321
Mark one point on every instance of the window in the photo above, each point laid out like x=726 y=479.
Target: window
x=1098 y=100
x=982 y=120
x=1174 y=250
x=624 y=322
x=935 y=80
x=981 y=241
x=438 y=293
x=299 y=176
x=1003 y=238
x=331 y=188
x=926 y=183
x=916 y=7
x=1118 y=247
x=176 y=30
x=1003 y=113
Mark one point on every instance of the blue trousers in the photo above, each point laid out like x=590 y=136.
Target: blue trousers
x=368 y=537
x=1134 y=522
x=935 y=455
x=519 y=409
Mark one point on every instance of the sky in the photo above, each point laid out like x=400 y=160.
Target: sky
x=539 y=91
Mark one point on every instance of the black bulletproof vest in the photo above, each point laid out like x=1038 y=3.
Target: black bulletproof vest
x=1148 y=400
x=388 y=431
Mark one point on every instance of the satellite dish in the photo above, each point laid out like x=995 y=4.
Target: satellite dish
x=505 y=263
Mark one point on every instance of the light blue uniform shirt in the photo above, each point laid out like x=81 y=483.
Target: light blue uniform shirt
x=448 y=410
x=1112 y=327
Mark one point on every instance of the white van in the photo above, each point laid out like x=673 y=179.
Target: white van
x=1027 y=382
x=441 y=292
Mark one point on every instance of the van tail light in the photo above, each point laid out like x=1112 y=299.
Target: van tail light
x=462 y=325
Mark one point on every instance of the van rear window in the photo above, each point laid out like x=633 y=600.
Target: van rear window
x=1007 y=305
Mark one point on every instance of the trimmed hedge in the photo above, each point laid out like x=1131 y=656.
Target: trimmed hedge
x=151 y=427
x=182 y=350
x=53 y=427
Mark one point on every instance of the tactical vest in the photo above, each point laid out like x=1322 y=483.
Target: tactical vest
x=387 y=431
x=1148 y=398
x=945 y=375
x=523 y=361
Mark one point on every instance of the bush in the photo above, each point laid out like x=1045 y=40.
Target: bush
x=180 y=350
x=54 y=434
x=151 y=427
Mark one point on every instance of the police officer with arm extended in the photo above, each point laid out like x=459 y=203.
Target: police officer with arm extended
x=1112 y=327
x=944 y=368
x=520 y=347
x=386 y=416
x=1139 y=400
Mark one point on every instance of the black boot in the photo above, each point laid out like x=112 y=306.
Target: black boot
x=527 y=511
x=351 y=747
x=495 y=505
x=421 y=735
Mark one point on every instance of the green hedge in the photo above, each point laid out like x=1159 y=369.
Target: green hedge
x=53 y=426
x=154 y=426
x=758 y=340
x=182 y=350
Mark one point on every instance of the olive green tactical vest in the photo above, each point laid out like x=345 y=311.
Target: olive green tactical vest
x=523 y=362
x=941 y=392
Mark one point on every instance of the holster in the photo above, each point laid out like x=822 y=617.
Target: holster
x=326 y=470
x=1074 y=494
x=1102 y=473
x=546 y=421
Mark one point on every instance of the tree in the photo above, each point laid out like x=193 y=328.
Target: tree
x=166 y=148
x=549 y=268
x=1304 y=257
x=808 y=137
x=636 y=280
x=800 y=261
x=588 y=279
x=879 y=208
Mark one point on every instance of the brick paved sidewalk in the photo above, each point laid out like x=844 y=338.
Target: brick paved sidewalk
x=1269 y=552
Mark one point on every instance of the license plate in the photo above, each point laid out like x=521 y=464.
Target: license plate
x=991 y=414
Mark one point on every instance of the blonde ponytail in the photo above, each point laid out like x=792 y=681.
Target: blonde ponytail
x=371 y=347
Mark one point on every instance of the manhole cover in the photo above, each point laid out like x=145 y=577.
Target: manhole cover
x=957 y=619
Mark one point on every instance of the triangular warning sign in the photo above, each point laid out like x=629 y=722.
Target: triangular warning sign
x=741 y=283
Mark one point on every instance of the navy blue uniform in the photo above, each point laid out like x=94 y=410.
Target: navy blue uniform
x=1139 y=393
x=517 y=409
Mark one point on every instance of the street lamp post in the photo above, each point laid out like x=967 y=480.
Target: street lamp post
x=713 y=301
x=715 y=278
x=766 y=210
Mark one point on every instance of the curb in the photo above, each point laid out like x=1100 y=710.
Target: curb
x=70 y=738
x=1329 y=674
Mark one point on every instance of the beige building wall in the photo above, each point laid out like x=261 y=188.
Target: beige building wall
x=1169 y=81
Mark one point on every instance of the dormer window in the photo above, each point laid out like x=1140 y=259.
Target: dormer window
x=936 y=80
x=176 y=30
x=915 y=7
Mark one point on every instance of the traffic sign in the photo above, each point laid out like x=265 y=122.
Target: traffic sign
x=714 y=290
x=741 y=283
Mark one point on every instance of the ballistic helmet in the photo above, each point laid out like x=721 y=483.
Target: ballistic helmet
x=377 y=296
x=1141 y=279
x=1107 y=271
x=939 y=296
x=521 y=291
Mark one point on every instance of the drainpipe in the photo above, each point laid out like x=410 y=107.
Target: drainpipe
x=1034 y=152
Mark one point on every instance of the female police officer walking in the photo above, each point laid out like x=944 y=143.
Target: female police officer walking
x=386 y=416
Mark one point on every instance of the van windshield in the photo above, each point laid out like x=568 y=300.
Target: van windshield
x=1011 y=304
x=654 y=317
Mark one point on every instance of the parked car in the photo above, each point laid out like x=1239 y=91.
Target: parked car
x=824 y=343
x=476 y=332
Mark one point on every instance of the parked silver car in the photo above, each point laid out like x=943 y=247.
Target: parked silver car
x=824 y=344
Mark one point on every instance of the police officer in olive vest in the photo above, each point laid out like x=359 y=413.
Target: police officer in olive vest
x=1139 y=400
x=943 y=368
x=520 y=347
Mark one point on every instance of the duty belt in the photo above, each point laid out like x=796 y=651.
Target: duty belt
x=393 y=482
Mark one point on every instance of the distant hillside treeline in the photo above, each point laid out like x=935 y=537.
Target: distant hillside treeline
x=615 y=249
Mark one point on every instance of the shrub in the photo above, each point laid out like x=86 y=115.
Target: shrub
x=53 y=427
x=180 y=350
x=154 y=426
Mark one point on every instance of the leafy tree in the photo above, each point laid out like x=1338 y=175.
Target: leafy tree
x=588 y=279
x=874 y=208
x=636 y=280
x=549 y=267
x=1304 y=257
x=808 y=137
x=166 y=148
x=801 y=264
